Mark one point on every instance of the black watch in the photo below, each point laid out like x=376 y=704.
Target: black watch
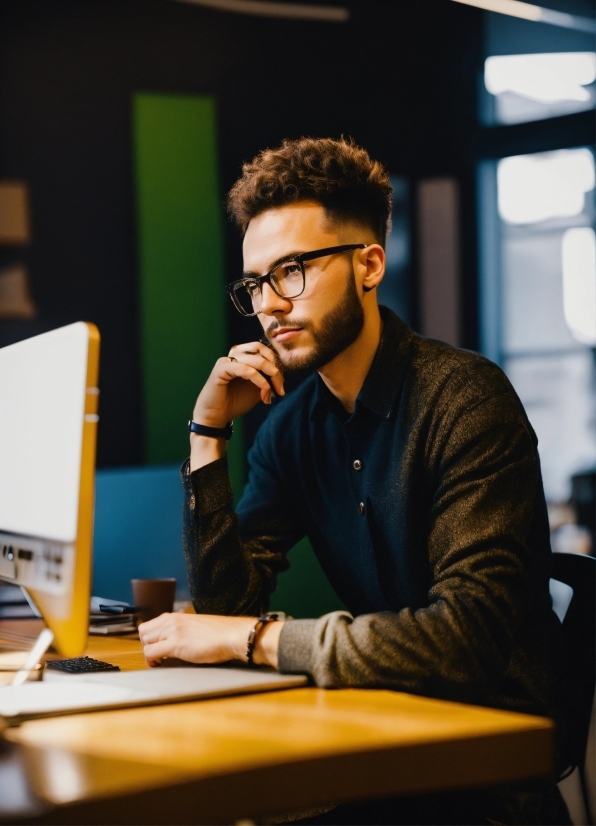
x=213 y=432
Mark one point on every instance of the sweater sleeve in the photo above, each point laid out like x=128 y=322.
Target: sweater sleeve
x=233 y=563
x=485 y=478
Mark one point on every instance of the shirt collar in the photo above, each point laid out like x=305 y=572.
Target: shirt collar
x=385 y=377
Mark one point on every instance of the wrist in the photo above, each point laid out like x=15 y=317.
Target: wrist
x=200 y=417
x=239 y=639
x=213 y=432
x=265 y=651
x=204 y=450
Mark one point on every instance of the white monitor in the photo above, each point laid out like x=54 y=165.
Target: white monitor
x=48 y=424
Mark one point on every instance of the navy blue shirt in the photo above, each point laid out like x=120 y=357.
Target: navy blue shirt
x=340 y=474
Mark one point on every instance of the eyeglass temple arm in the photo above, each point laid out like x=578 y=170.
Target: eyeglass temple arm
x=307 y=256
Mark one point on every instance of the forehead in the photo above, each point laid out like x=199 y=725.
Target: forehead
x=293 y=228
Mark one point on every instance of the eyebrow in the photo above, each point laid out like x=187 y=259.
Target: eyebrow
x=288 y=257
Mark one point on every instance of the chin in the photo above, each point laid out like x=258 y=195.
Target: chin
x=294 y=358
x=293 y=350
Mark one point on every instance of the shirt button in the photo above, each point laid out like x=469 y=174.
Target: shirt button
x=192 y=502
x=357 y=465
x=361 y=509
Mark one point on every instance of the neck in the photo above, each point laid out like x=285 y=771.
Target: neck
x=344 y=376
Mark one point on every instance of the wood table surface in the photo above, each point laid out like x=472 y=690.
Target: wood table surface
x=223 y=760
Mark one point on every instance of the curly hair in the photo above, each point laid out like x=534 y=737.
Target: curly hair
x=338 y=174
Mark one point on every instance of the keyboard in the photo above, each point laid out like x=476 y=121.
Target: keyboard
x=81 y=665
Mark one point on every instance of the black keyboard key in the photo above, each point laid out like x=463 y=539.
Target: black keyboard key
x=81 y=665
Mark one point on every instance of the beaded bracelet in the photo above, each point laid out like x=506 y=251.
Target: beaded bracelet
x=255 y=631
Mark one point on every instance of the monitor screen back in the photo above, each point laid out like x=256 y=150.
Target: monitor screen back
x=48 y=423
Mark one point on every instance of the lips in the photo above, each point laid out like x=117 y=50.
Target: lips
x=286 y=333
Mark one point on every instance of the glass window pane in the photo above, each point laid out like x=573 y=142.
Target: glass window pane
x=533 y=317
x=535 y=71
x=542 y=198
x=530 y=87
x=558 y=395
x=543 y=263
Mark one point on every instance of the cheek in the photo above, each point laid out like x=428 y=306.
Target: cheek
x=322 y=284
x=323 y=298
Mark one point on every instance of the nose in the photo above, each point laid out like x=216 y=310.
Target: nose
x=272 y=303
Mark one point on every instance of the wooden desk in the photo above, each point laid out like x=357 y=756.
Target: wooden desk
x=218 y=761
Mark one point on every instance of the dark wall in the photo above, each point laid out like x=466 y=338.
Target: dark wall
x=400 y=78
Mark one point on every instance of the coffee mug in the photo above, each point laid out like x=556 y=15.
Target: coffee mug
x=153 y=597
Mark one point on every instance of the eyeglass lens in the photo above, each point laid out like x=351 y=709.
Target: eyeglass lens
x=287 y=280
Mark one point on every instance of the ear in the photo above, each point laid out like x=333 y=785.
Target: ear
x=373 y=260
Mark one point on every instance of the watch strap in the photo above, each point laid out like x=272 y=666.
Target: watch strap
x=212 y=432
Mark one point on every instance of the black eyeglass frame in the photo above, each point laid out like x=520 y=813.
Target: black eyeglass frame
x=299 y=259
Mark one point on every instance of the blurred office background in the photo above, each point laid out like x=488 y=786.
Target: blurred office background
x=123 y=124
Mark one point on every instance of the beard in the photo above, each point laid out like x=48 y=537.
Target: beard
x=336 y=332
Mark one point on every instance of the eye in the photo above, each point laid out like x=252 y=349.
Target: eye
x=290 y=270
x=252 y=287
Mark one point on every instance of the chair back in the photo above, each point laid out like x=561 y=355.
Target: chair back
x=579 y=647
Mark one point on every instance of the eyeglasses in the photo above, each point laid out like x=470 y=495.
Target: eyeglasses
x=287 y=279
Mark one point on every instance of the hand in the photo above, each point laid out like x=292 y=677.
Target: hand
x=236 y=384
x=205 y=638
x=234 y=387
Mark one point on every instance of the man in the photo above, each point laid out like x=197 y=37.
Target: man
x=409 y=464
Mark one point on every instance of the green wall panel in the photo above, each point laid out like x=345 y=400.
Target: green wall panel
x=182 y=301
x=181 y=266
x=303 y=590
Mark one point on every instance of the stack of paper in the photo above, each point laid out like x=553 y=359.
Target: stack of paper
x=110 y=617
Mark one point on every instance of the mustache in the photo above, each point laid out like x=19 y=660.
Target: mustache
x=280 y=323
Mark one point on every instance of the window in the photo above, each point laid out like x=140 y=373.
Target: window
x=537 y=286
x=529 y=87
x=545 y=249
x=534 y=71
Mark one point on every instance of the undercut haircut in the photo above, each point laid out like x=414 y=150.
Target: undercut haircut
x=338 y=174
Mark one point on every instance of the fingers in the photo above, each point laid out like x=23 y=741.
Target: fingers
x=156 y=652
x=162 y=637
x=253 y=348
x=265 y=367
x=240 y=370
x=151 y=630
x=263 y=359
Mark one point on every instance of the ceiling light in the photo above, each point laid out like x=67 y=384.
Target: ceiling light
x=528 y=11
x=264 y=8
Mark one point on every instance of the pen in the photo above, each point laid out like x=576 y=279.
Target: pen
x=119 y=609
x=42 y=644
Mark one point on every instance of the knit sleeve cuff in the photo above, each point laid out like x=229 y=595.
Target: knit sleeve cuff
x=209 y=487
x=296 y=646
